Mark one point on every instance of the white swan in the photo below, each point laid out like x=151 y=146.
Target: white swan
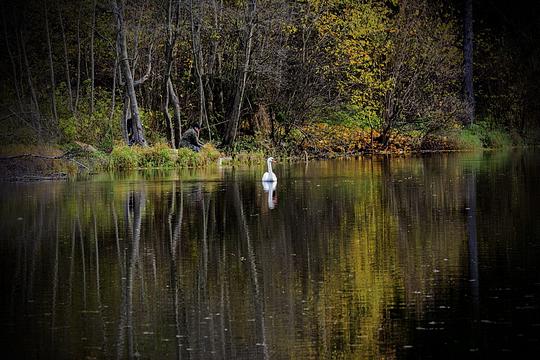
x=269 y=176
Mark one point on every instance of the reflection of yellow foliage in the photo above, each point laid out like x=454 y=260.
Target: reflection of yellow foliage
x=355 y=310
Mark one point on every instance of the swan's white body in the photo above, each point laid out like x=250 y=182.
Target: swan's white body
x=269 y=176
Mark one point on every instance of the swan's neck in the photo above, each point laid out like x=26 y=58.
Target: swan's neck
x=270 y=167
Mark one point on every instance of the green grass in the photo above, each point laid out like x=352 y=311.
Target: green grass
x=468 y=140
x=497 y=139
x=160 y=156
x=484 y=134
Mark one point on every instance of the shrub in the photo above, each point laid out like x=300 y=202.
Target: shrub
x=490 y=134
x=496 y=139
x=247 y=144
x=354 y=116
x=99 y=161
x=123 y=157
x=159 y=155
x=209 y=154
x=187 y=158
x=468 y=140
x=516 y=138
x=249 y=158
x=96 y=128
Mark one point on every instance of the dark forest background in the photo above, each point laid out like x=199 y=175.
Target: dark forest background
x=262 y=71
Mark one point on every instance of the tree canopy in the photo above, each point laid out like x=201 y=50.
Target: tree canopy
x=78 y=70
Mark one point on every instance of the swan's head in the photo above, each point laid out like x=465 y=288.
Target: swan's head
x=270 y=160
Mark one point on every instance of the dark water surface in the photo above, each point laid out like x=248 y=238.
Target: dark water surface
x=425 y=257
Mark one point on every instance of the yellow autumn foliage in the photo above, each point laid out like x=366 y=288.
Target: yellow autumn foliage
x=324 y=138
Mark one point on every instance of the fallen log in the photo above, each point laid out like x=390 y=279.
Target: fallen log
x=66 y=156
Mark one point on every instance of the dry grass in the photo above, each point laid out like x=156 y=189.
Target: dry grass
x=43 y=150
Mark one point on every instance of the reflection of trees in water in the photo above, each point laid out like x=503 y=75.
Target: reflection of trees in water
x=427 y=198
x=258 y=301
x=133 y=211
x=205 y=270
x=174 y=242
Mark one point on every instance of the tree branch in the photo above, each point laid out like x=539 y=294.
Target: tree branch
x=148 y=69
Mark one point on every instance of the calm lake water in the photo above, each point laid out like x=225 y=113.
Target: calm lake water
x=434 y=256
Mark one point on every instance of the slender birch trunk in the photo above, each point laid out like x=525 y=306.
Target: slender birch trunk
x=234 y=119
x=177 y=126
x=198 y=60
x=66 y=60
x=37 y=118
x=172 y=17
x=78 y=88
x=51 y=68
x=468 y=61
x=113 y=97
x=92 y=62
x=12 y=60
x=138 y=134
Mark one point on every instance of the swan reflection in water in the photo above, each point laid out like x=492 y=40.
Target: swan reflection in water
x=270 y=188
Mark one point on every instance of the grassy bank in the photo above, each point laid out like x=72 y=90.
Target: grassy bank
x=317 y=140
x=52 y=162
x=328 y=140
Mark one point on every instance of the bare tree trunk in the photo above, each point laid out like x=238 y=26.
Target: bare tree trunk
x=78 y=89
x=166 y=115
x=219 y=20
x=66 y=60
x=198 y=62
x=177 y=125
x=168 y=88
x=22 y=80
x=135 y=55
x=468 y=61
x=12 y=60
x=217 y=57
x=165 y=87
x=138 y=134
x=126 y=113
x=92 y=63
x=210 y=69
x=113 y=99
x=51 y=68
x=37 y=118
x=209 y=101
x=234 y=119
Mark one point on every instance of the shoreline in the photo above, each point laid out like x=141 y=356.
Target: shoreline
x=38 y=167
